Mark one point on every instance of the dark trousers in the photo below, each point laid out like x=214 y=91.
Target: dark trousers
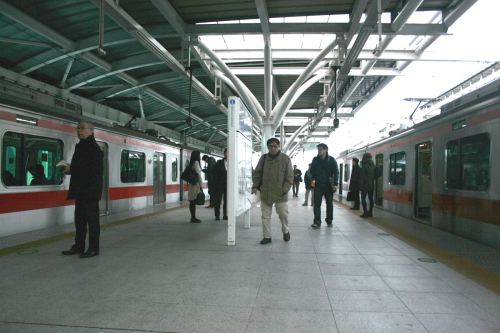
x=295 y=188
x=192 y=208
x=363 y=201
x=356 y=199
x=319 y=193
x=211 y=192
x=217 y=201
x=87 y=213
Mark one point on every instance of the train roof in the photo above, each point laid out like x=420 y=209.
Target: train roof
x=471 y=102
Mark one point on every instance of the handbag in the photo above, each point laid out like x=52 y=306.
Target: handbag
x=350 y=196
x=200 y=198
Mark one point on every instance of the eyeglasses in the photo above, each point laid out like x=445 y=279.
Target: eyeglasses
x=273 y=146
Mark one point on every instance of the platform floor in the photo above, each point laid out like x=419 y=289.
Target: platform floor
x=160 y=273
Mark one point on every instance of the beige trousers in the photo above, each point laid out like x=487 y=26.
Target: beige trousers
x=281 y=209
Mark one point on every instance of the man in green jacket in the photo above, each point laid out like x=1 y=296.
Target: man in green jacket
x=273 y=177
x=325 y=174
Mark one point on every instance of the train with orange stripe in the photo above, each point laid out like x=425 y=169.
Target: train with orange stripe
x=443 y=172
x=140 y=171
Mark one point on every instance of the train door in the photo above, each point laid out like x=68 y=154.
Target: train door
x=379 y=182
x=159 y=178
x=423 y=182
x=341 y=182
x=104 y=202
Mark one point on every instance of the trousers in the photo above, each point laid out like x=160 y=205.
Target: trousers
x=309 y=190
x=87 y=213
x=281 y=209
x=319 y=193
x=217 y=201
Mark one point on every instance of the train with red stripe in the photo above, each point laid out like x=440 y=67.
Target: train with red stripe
x=140 y=171
x=443 y=172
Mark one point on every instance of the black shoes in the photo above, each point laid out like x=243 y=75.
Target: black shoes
x=315 y=225
x=286 y=237
x=89 y=254
x=366 y=215
x=304 y=204
x=71 y=251
x=265 y=241
x=217 y=218
x=224 y=218
x=195 y=220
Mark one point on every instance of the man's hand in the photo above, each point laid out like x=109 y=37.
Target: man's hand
x=254 y=190
x=66 y=169
x=334 y=187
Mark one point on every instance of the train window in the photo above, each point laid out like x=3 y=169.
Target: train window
x=29 y=160
x=347 y=172
x=132 y=166
x=174 y=170
x=468 y=163
x=397 y=168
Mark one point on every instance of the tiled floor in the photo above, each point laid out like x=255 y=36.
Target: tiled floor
x=164 y=274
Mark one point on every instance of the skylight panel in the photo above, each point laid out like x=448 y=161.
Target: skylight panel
x=290 y=41
x=425 y=17
x=339 y=18
x=317 y=19
x=296 y=19
x=327 y=39
x=214 y=41
x=235 y=41
x=312 y=41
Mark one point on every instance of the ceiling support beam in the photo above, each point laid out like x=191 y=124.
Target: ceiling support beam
x=248 y=98
x=62 y=84
x=306 y=28
x=268 y=57
x=151 y=44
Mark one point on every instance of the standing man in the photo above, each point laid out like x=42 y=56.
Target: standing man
x=309 y=188
x=209 y=171
x=297 y=179
x=85 y=188
x=220 y=186
x=273 y=177
x=355 y=182
x=366 y=183
x=325 y=175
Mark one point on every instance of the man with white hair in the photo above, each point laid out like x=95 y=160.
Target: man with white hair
x=85 y=188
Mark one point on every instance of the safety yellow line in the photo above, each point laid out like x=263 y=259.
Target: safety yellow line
x=66 y=235
x=462 y=265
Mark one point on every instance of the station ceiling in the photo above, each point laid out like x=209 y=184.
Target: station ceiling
x=150 y=48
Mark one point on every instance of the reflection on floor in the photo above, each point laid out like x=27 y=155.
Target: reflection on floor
x=161 y=273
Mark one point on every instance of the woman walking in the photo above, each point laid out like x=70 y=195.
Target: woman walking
x=194 y=165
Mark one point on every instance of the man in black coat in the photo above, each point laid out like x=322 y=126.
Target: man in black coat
x=354 y=182
x=325 y=175
x=85 y=188
x=220 y=186
x=209 y=170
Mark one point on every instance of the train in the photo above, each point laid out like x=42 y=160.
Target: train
x=443 y=171
x=140 y=171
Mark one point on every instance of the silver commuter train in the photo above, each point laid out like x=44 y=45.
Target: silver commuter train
x=139 y=170
x=443 y=171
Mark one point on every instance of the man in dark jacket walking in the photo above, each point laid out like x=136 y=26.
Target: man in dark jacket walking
x=220 y=187
x=325 y=175
x=85 y=188
x=354 y=183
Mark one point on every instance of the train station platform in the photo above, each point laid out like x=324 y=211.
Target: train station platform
x=159 y=273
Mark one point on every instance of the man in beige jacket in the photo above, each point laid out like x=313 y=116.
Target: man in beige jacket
x=273 y=177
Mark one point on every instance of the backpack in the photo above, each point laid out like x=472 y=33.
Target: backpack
x=189 y=175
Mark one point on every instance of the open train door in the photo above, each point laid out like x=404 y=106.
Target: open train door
x=104 y=202
x=423 y=182
x=159 y=179
x=379 y=182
